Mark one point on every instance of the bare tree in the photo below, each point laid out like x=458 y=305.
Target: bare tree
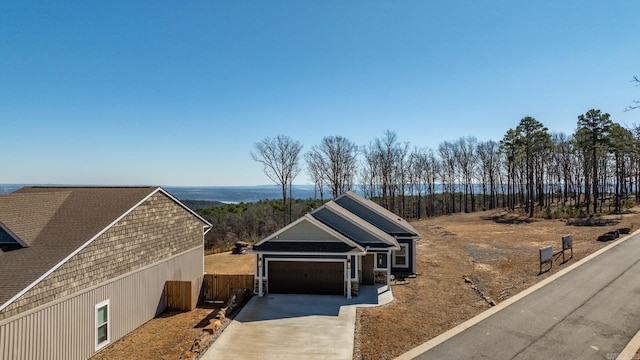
x=279 y=158
x=447 y=176
x=489 y=158
x=465 y=153
x=386 y=150
x=636 y=102
x=314 y=167
x=336 y=157
x=369 y=172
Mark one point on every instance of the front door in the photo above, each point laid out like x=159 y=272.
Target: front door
x=368 y=261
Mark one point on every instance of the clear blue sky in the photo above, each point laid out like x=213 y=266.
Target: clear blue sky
x=177 y=93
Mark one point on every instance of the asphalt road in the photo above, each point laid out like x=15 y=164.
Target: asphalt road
x=591 y=312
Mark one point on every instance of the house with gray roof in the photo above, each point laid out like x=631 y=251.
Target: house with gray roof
x=332 y=250
x=80 y=267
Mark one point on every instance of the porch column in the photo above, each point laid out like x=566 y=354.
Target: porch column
x=388 y=268
x=260 y=293
x=348 y=278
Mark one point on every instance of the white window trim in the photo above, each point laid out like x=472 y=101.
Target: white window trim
x=375 y=262
x=406 y=257
x=95 y=327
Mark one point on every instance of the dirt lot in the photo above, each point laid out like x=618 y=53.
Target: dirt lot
x=496 y=250
x=228 y=263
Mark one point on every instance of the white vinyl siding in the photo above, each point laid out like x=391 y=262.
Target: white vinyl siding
x=103 y=327
x=401 y=257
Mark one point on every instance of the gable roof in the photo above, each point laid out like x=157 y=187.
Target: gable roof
x=356 y=220
x=353 y=226
x=55 y=223
x=376 y=215
x=330 y=235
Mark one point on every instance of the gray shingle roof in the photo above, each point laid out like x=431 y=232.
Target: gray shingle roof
x=376 y=215
x=54 y=222
x=353 y=226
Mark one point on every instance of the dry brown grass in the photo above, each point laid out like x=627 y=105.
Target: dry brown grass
x=229 y=264
x=165 y=337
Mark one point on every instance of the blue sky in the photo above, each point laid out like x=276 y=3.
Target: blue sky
x=177 y=93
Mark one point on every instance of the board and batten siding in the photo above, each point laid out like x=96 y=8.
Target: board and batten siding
x=65 y=328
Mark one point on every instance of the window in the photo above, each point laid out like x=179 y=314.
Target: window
x=401 y=257
x=381 y=261
x=103 y=333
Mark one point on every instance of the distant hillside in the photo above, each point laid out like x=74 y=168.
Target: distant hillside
x=196 y=205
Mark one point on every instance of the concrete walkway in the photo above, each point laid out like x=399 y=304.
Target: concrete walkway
x=589 y=311
x=283 y=326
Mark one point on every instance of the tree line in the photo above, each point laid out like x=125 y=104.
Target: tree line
x=594 y=170
x=246 y=221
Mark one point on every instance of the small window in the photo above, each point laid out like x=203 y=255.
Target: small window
x=103 y=333
x=381 y=261
x=401 y=257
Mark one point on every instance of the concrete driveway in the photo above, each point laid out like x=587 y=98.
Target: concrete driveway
x=283 y=326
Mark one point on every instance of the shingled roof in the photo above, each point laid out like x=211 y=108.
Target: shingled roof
x=376 y=215
x=52 y=223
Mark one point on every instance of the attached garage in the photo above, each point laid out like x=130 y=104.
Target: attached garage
x=306 y=277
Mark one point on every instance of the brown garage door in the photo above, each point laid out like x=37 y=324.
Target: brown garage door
x=306 y=277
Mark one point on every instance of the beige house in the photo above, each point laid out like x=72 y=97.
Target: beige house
x=80 y=267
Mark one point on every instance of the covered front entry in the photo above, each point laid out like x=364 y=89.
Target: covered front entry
x=306 y=277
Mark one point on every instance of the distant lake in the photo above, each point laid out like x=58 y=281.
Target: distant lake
x=228 y=194
x=237 y=194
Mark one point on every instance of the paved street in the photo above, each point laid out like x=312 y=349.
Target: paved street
x=591 y=312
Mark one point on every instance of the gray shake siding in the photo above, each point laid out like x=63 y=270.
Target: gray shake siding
x=128 y=264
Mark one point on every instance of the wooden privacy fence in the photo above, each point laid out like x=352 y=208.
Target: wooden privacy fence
x=222 y=287
x=182 y=295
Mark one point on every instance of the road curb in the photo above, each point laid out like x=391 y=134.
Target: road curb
x=629 y=351
x=489 y=312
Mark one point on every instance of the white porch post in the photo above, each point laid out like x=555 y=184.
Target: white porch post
x=388 y=268
x=260 y=293
x=348 y=278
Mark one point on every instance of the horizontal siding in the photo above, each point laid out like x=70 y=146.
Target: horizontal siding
x=65 y=330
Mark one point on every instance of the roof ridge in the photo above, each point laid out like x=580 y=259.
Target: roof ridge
x=91 y=187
